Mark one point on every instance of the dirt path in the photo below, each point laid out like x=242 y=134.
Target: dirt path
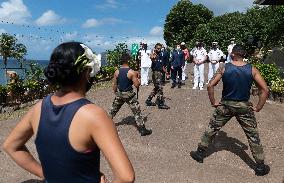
x=164 y=157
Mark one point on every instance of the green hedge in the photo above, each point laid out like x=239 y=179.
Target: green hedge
x=3 y=94
x=269 y=72
x=277 y=86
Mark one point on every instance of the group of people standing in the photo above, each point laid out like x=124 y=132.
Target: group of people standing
x=71 y=131
x=175 y=62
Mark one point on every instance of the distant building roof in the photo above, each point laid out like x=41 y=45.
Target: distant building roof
x=269 y=2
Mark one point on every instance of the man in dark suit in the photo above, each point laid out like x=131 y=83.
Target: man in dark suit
x=165 y=59
x=177 y=62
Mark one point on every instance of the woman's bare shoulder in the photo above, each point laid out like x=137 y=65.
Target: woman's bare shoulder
x=94 y=114
x=36 y=108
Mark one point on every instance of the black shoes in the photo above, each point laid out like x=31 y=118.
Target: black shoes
x=174 y=85
x=261 y=169
x=150 y=103
x=162 y=105
x=144 y=131
x=198 y=155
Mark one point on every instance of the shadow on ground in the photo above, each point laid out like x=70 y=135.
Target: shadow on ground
x=233 y=145
x=130 y=120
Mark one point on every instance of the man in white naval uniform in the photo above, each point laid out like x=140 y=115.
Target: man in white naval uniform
x=145 y=64
x=199 y=58
x=215 y=55
x=230 y=48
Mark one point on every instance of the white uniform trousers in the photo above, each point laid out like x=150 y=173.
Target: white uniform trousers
x=184 y=75
x=144 y=75
x=229 y=59
x=199 y=75
x=212 y=69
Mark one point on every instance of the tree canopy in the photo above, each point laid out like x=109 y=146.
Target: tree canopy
x=257 y=27
x=10 y=48
x=113 y=56
x=183 y=20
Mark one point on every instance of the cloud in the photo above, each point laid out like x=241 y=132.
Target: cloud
x=70 y=36
x=98 y=22
x=226 y=6
x=156 y=31
x=109 y=4
x=2 y=31
x=14 y=11
x=90 y=23
x=101 y=43
x=49 y=18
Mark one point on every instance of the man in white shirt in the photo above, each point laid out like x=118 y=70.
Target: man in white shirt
x=215 y=55
x=145 y=64
x=199 y=58
x=230 y=48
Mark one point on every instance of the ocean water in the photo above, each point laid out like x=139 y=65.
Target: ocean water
x=13 y=64
x=21 y=73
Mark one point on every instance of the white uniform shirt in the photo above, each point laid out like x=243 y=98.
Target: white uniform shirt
x=200 y=54
x=215 y=55
x=230 y=48
x=192 y=51
x=145 y=58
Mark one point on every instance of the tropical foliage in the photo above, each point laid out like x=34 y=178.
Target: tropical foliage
x=113 y=56
x=183 y=21
x=10 y=48
x=277 y=86
x=258 y=27
x=269 y=72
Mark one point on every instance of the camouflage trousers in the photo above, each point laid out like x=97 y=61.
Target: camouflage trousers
x=129 y=98
x=157 y=77
x=246 y=118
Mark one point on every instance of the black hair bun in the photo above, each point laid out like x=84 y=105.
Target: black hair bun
x=61 y=69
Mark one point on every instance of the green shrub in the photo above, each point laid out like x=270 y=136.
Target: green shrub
x=108 y=71
x=16 y=92
x=32 y=85
x=269 y=72
x=3 y=94
x=34 y=71
x=32 y=89
x=277 y=86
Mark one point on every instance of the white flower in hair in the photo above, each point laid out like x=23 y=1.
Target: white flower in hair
x=95 y=60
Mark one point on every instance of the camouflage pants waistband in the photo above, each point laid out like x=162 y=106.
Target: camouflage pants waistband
x=236 y=103
x=127 y=94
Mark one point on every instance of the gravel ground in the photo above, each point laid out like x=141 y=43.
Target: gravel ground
x=164 y=157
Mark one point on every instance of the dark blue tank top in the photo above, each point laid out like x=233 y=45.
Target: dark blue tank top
x=237 y=81
x=123 y=82
x=60 y=162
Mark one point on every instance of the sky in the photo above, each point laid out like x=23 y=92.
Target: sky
x=43 y=24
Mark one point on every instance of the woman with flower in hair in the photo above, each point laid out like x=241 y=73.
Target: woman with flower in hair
x=70 y=131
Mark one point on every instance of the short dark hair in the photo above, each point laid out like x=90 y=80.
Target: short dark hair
x=125 y=57
x=61 y=69
x=158 y=44
x=239 y=50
